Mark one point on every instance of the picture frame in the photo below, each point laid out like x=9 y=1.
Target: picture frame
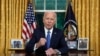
x=72 y=44
x=83 y=44
x=16 y=43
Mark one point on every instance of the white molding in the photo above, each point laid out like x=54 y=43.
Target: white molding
x=56 y=4
x=49 y=10
x=44 y=4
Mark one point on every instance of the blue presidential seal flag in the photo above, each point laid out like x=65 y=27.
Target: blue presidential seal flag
x=70 y=26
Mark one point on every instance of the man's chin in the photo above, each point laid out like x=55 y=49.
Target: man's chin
x=49 y=27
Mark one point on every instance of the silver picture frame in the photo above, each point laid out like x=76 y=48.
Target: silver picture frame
x=16 y=43
x=83 y=44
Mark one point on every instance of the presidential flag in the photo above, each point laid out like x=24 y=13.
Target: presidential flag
x=70 y=26
x=29 y=23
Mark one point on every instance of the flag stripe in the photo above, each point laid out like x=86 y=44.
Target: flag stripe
x=27 y=29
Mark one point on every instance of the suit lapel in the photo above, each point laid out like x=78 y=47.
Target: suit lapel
x=42 y=32
x=53 y=37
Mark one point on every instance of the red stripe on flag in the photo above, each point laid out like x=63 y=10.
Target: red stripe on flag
x=23 y=32
x=27 y=29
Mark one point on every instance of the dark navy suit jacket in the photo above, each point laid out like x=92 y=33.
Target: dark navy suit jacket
x=57 y=41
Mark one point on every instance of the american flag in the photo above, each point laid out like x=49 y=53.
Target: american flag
x=29 y=23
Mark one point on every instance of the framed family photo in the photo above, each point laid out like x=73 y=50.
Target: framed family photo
x=16 y=43
x=83 y=44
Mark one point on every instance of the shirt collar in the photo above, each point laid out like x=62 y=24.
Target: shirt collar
x=51 y=30
x=46 y=30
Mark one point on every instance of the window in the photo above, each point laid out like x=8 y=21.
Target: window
x=58 y=6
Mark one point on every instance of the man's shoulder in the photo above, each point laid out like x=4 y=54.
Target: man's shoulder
x=58 y=30
x=38 y=29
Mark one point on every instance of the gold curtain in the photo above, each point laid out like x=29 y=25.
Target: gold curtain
x=86 y=12
x=12 y=14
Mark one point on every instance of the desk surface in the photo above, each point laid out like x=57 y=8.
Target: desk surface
x=69 y=54
x=20 y=52
x=13 y=49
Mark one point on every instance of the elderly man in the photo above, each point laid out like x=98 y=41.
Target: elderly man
x=47 y=40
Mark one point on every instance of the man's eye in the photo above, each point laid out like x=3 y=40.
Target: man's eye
x=47 y=18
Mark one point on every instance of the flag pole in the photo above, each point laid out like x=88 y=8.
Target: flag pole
x=69 y=10
x=69 y=1
x=33 y=4
x=30 y=1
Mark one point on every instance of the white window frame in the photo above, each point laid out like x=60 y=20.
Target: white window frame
x=44 y=10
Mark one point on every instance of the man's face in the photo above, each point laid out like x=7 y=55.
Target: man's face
x=49 y=19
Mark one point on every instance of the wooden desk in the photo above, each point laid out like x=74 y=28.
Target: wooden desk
x=17 y=50
x=24 y=54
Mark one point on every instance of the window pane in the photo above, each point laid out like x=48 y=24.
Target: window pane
x=50 y=4
x=60 y=20
x=39 y=16
x=61 y=4
x=39 y=4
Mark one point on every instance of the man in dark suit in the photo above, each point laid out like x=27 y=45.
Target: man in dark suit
x=48 y=39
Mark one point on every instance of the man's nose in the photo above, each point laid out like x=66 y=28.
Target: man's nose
x=49 y=20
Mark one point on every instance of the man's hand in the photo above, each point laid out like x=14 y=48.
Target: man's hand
x=41 y=42
x=50 y=52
